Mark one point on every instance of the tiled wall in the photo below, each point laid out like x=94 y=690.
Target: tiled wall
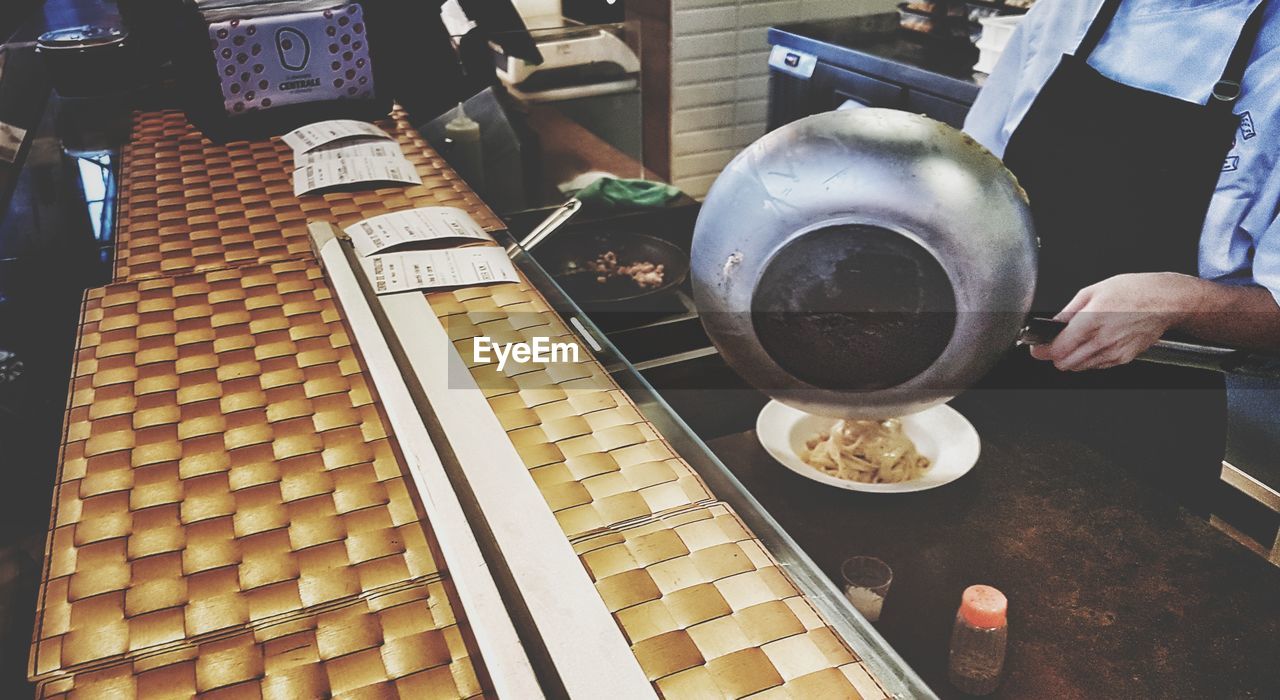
x=720 y=76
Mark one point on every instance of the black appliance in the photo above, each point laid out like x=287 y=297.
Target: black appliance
x=88 y=61
x=867 y=62
x=593 y=11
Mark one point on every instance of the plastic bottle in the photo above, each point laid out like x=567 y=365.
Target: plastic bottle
x=978 y=641
x=464 y=153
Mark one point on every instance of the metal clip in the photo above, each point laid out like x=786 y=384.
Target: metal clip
x=1226 y=91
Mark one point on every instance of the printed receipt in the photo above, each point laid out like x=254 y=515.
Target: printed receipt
x=371 y=149
x=305 y=138
x=433 y=269
x=376 y=234
x=350 y=171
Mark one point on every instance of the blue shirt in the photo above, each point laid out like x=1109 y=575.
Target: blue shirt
x=1178 y=48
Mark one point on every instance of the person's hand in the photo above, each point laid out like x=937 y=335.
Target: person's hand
x=1112 y=322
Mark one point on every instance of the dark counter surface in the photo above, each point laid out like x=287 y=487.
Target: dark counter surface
x=1114 y=590
x=940 y=68
x=56 y=239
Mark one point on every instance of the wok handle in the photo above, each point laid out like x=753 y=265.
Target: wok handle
x=1167 y=351
x=1040 y=331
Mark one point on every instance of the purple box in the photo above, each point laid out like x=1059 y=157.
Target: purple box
x=266 y=62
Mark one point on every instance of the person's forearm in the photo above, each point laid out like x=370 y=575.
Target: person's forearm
x=1238 y=316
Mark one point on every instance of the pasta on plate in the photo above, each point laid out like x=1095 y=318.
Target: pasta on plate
x=866 y=451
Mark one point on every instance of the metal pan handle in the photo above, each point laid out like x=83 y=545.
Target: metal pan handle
x=1166 y=351
x=558 y=218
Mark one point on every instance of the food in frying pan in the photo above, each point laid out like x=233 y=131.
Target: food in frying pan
x=866 y=451
x=644 y=274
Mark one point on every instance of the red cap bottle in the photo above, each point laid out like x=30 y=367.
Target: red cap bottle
x=978 y=641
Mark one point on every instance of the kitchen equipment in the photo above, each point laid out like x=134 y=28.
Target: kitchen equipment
x=88 y=61
x=589 y=76
x=566 y=256
x=996 y=32
x=577 y=62
x=783 y=431
x=864 y=263
x=594 y=11
x=559 y=217
x=866 y=61
x=873 y=263
x=1173 y=351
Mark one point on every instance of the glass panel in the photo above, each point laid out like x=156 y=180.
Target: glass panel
x=567 y=110
x=897 y=677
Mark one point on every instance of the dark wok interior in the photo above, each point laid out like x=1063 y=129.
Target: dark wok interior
x=854 y=307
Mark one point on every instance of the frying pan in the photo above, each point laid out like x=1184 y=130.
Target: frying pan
x=870 y=263
x=864 y=263
x=565 y=257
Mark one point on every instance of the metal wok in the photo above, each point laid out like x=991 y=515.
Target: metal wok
x=873 y=263
x=864 y=263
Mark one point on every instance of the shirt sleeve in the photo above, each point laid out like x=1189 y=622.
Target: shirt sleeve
x=1240 y=243
x=1249 y=260
x=991 y=111
x=1266 y=262
x=1243 y=226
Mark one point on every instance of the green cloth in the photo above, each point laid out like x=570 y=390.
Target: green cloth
x=612 y=192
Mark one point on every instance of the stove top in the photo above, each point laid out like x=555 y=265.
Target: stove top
x=662 y=336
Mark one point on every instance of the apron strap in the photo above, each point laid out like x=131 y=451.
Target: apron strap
x=1099 y=27
x=1227 y=89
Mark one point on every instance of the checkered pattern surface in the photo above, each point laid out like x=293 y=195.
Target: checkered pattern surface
x=598 y=463
x=401 y=644
x=225 y=472
x=707 y=611
x=188 y=204
x=230 y=518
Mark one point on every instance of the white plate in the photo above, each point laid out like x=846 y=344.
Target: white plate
x=940 y=433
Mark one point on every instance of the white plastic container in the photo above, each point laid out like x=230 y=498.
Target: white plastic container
x=987 y=57
x=995 y=36
x=997 y=30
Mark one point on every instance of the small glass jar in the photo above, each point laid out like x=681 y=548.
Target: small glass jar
x=866 y=583
x=978 y=641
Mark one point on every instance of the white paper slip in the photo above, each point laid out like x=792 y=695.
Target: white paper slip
x=11 y=138
x=432 y=269
x=305 y=138
x=345 y=149
x=351 y=171
x=378 y=233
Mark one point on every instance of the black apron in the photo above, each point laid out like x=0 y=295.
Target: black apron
x=1120 y=180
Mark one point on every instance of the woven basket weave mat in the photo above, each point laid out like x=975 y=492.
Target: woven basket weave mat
x=190 y=205
x=229 y=512
x=704 y=612
x=706 y=609
x=397 y=645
